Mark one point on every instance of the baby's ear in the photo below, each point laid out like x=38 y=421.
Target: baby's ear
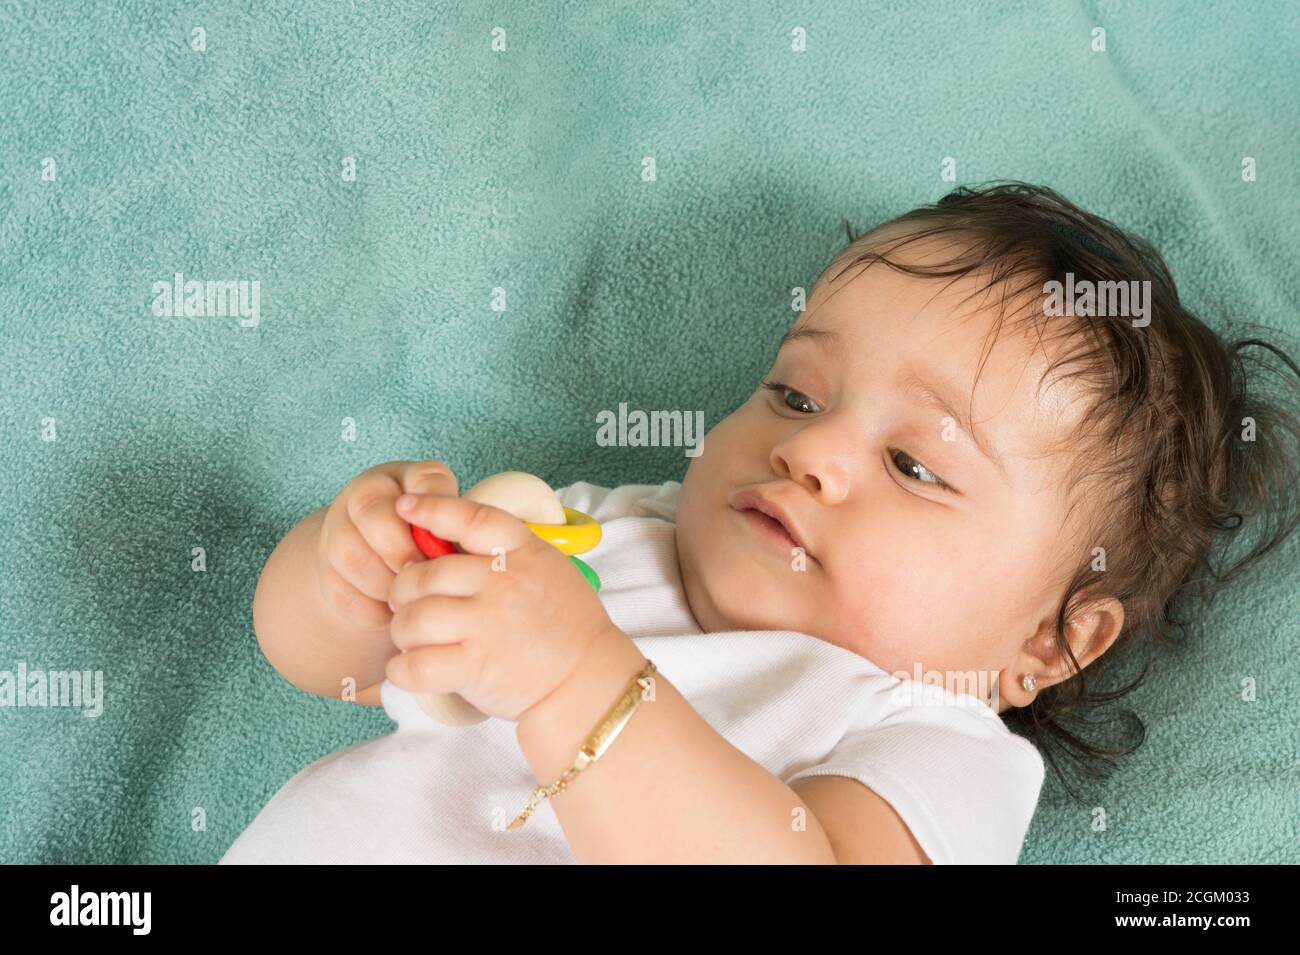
x=1095 y=626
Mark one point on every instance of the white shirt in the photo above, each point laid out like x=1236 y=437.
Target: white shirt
x=964 y=784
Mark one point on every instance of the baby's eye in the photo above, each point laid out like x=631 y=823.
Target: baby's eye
x=908 y=465
x=781 y=389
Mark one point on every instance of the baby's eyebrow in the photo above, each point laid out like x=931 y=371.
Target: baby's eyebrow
x=821 y=336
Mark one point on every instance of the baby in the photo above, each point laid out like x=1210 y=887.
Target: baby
x=995 y=447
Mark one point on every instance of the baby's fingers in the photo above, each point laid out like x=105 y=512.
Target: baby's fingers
x=386 y=534
x=438 y=669
x=350 y=556
x=427 y=477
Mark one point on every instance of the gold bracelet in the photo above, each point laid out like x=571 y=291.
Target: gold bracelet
x=602 y=734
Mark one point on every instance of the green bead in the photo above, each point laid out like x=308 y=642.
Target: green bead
x=587 y=572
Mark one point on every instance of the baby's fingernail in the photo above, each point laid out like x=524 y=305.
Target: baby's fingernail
x=406 y=502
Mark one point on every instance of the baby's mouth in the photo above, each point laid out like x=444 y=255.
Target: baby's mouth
x=769 y=516
x=770 y=529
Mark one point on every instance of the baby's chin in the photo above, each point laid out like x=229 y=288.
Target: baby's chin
x=732 y=588
x=762 y=609
x=713 y=604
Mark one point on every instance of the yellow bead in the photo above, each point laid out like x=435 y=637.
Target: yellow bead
x=578 y=535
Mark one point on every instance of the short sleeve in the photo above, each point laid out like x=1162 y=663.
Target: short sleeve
x=964 y=784
x=626 y=500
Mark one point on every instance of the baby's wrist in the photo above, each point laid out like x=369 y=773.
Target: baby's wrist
x=570 y=710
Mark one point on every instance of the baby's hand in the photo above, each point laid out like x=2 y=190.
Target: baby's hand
x=364 y=544
x=502 y=624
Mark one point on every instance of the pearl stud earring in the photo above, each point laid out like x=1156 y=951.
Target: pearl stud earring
x=1029 y=683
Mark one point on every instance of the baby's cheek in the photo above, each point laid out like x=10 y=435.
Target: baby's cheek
x=996 y=578
x=872 y=616
x=902 y=612
x=976 y=601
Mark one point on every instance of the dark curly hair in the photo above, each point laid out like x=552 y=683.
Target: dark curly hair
x=1193 y=439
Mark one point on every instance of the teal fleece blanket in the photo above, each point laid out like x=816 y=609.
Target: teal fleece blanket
x=460 y=252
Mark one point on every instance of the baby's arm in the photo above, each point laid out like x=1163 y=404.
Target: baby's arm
x=671 y=789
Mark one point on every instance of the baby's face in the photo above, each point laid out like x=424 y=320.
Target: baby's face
x=898 y=568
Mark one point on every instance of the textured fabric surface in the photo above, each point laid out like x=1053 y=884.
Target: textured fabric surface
x=387 y=177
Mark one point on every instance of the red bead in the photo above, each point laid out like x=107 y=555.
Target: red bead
x=430 y=545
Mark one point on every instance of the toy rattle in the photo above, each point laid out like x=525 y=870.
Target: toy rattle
x=530 y=499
